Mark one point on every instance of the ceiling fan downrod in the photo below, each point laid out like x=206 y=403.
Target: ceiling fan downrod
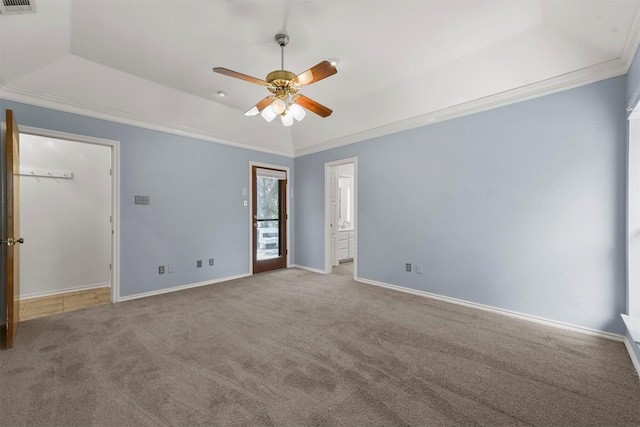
x=282 y=40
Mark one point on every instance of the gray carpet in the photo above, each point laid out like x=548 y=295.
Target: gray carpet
x=296 y=348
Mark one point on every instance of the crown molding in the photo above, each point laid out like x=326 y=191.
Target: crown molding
x=46 y=101
x=592 y=74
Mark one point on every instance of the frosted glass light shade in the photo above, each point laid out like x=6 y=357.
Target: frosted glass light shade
x=278 y=106
x=268 y=114
x=287 y=119
x=297 y=112
x=252 y=112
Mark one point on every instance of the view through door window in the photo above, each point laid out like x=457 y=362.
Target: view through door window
x=268 y=217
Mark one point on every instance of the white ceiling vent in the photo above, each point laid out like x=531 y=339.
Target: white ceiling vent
x=10 y=7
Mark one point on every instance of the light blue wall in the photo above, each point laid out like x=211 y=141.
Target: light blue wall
x=196 y=209
x=520 y=207
x=633 y=77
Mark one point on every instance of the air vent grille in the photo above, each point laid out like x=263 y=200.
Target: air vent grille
x=10 y=7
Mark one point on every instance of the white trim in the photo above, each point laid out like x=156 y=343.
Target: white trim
x=64 y=291
x=633 y=326
x=632 y=354
x=598 y=72
x=311 y=269
x=182 y=287
x=496 y=310
x=607 y=69
x=289 y=202
x=115 y=192
x=46 y=101
x=633 y=215
x=327 y=213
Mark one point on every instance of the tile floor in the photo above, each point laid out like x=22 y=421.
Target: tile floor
x=54 y=304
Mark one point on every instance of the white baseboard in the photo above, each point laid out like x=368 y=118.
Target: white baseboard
x=303 y=267
x=503 y=312
x=64 y=291
x=632 y=354
x=181 y=287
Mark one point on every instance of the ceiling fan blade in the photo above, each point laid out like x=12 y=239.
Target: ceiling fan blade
x=256 y=109
x=313 y=106
x=315 y=73
x=265 y=102
x=240 y=76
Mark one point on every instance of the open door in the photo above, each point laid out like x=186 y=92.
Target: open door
x=269 y=204
x=11 y=230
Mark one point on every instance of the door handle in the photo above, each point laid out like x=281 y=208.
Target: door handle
x=11 y=241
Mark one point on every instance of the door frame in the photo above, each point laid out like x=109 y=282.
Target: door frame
x=115 y=193
x=327 y=213
x=250 y=210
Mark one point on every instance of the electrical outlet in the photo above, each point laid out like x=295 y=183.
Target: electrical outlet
x=199 y=263
x=141 y=200
x=210 y=262
x=419 y=268
x=407 y=267
x=171 y=269
x=161 y=269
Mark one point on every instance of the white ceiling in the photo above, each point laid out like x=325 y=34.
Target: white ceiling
x=402 y=63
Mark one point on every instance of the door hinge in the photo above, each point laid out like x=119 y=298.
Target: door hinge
x=109 y=266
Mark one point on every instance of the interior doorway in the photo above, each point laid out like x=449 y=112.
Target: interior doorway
x=70 y=198
x=269 y=218
x=341 y=215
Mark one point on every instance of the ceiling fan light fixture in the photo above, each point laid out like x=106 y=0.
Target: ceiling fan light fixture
x=287 y=119
x=284 y=86
x=268 y=114
x=253 y=111
x=297 y=112
x=278 y=106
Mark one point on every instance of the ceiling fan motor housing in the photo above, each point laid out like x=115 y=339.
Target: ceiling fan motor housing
x=281 y=84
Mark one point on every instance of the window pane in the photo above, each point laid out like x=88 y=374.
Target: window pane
x=268 y=239
x=268 y=198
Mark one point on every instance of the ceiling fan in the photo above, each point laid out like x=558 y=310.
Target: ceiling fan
x=284 y=85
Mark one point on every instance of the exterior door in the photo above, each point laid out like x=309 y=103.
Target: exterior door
x=11 y=229
x=269 y=218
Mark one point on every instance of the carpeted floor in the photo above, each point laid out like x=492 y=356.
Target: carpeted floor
x=296 y=348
